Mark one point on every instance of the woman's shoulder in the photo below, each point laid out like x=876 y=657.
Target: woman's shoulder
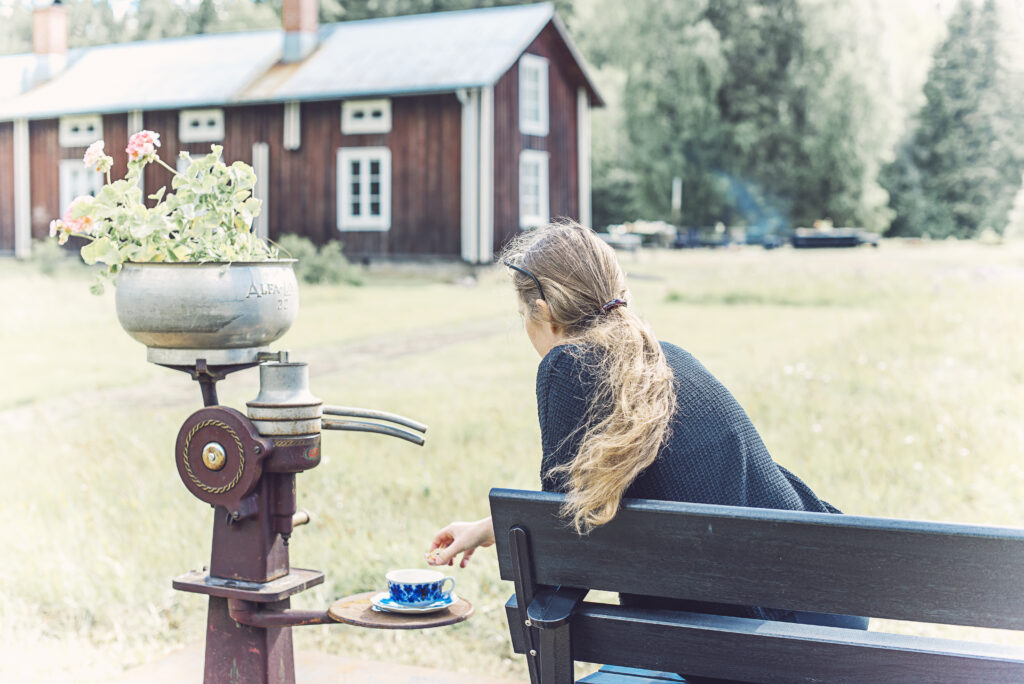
x=699 y=392
x=567 y=360
x=685 y=365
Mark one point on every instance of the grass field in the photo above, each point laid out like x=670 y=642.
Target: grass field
x=890 y=380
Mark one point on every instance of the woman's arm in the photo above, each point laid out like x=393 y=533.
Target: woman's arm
x=460 y=537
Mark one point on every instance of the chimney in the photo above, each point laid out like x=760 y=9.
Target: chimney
x=300 y=27
x=50 y=40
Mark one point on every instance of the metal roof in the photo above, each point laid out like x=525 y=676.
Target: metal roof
x=400 y=55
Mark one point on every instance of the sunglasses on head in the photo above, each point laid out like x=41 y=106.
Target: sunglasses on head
x=526 y=273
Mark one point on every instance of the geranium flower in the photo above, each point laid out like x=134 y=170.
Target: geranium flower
x=83 y=224
x=142 y=146
x=96 y=159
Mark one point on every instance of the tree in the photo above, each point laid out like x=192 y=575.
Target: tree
x=1015 y=221
x=965 y=149
x=15 y=27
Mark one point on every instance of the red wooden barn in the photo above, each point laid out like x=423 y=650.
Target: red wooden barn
x=435 y=134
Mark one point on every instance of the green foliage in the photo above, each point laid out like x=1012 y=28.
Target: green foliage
x=324 y=266
x=1015 y=221
x=207 y=218
x=959 y=171
x=50 y=258
x=771 y=112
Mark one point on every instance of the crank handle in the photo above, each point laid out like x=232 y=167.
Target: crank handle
x=361 y=426
x=353 y=412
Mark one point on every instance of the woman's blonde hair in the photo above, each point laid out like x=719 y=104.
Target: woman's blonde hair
x=629 y=415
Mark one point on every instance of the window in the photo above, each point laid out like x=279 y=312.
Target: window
x=366 y=116
x=533 y=188
x=200 y=125
x=80 y=131
x=77 y=179
x=364 y=188
x=533 y=95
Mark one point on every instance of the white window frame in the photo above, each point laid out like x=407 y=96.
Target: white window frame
x=200 y=125
x=77 y=179
x=347 y=219
x=533 y=216
x=80 y=131
x=365 y=116
x=532 y=65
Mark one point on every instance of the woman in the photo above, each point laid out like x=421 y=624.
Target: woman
x=622 y=415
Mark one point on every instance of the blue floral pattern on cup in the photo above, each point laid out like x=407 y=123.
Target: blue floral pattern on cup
x=417 y=587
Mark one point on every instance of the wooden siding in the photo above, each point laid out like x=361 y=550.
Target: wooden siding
x=425 y=144
x=45 y=154
x=425 y=149
x=561 y=142
x=6 y=187
x=45 y=157
x=165 y=122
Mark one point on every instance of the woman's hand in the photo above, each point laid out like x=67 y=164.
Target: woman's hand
x=460 y=537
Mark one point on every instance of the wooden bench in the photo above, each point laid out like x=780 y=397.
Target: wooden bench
x=897 y=569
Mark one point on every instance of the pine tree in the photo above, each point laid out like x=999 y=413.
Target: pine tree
x=963 y=150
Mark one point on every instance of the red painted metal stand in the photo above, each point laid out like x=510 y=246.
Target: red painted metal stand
x=245 y=467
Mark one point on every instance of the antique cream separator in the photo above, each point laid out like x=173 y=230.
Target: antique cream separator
x=210 y=320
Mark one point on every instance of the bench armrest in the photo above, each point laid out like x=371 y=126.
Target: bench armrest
x=553 y=606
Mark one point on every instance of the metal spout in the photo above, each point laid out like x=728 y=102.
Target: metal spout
x=353 y=412
x=362 y=426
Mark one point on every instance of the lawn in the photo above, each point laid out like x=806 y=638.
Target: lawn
x=890 y=380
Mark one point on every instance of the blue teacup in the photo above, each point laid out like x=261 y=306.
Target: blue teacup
x=418 y=587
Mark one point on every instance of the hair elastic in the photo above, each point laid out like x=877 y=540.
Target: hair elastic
x=613 y=304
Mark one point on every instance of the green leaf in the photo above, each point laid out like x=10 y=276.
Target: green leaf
x=159 y=194
x=101 y=250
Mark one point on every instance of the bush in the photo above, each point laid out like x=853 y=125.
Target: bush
x=49 y=257
x=326 y=265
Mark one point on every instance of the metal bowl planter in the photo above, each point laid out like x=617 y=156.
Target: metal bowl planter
x=225 y=313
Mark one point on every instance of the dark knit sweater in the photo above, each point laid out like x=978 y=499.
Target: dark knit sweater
x=714 y=454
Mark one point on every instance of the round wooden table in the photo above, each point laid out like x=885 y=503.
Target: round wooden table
x=357 y=610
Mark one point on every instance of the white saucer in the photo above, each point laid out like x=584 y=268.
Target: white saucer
x=383 y=601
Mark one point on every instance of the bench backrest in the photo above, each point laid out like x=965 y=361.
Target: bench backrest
x=898 y=569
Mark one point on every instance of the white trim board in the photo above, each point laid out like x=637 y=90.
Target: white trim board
x=22 y=191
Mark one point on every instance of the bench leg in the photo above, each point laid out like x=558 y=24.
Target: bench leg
x=555 y=656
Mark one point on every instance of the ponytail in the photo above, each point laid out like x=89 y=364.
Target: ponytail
x=630 y=413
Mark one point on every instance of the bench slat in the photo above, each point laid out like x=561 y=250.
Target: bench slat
x=898 y=569
x=755 y=650
x=637 y=672
x=606 y=676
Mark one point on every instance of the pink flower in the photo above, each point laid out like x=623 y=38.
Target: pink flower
x=94 y=154
x=69 y=223
x=56 y=225
x=142 y=145
x=83 y=225
x=95 y=158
